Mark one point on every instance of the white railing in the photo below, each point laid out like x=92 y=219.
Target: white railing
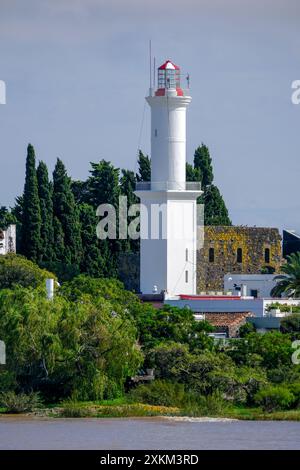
x=168 y=186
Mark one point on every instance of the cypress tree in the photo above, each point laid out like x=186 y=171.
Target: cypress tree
x=104 y=184
x=127 y=186
x=144 y=163
x=95 y=253
x=59 y=245
x=31 y=217
x=215 y=210
x=46 y=208
x=65 y=210
x=202 y=162
x=192 y=174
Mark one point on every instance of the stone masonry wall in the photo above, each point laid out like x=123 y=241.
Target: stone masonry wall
x=224 y=243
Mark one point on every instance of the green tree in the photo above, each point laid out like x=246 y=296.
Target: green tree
x=271 y=350
x=16 y=270
x=171 y=324
x=203 y=162
x=6 y=218
x=192 y=174
x=127 y=186
x=288 y=282
x=66 y=212
x=103 y=184
x=80 y=190
x=46 y=208
x=95 y=253
x=144 y=162
x=31 y=216
x=215 y=210
x=290 y=324
x=63 y=348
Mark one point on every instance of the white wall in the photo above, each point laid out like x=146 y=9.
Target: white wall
x=8 y=243
x=163 y=261
x=168 y=138
x=263 y=283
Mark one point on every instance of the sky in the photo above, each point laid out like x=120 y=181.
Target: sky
x=77 y=72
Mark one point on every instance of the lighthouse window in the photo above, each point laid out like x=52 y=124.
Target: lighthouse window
x=186 y=254
x=155 y=132
x=186 y=276
x=267 y=255
x=211 y=255
x=239 y=255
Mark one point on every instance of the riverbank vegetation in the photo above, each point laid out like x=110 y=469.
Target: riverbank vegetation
x=79 y=355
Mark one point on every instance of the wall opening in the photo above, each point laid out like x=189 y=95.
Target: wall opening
x=267 y=255
x=239 y=255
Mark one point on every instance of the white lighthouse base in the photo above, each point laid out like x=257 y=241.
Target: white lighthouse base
x=168 y=241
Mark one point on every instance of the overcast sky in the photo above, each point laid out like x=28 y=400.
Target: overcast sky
x=77 y=73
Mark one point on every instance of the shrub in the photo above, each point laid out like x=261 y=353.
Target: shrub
x=210 y=405
x=15 y=270
x=159 y=392
x=246 y=329
x=20 y=403
x=274 y=398
x=7 y=381
x=72 y=409
x=295 y=389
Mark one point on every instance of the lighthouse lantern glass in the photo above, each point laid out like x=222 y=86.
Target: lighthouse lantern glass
x=168 y=78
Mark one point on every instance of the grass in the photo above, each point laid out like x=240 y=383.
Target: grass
x=121 y=408
x=114 y=410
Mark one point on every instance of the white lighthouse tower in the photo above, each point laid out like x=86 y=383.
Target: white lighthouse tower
x=168 y=203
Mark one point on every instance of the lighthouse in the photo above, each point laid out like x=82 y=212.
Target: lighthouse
x=168 y=215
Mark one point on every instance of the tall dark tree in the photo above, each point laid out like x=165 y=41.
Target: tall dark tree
x=46 y=208
x=192 y=174
x=95 y=252
x=144 y=163
x=215 y=210
x=104 y=188
x=127 y=186
x=65 y=210
x=80 y=190
x=202 y=162
x=31 y=218
x=103 y=184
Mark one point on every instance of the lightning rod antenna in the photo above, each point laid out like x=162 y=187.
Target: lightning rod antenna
x=150 y=58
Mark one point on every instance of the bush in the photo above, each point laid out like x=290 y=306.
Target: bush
x=159 y=392
x=15 y=270
x=274 y=398
x=7 y=381
x=20 y=403
x=72 y=409
x=246 y=329
x=210 y=405
x=295 y=389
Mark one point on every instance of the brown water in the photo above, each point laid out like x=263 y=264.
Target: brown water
x=148 y=433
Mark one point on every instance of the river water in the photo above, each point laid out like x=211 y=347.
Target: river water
x=146 y=433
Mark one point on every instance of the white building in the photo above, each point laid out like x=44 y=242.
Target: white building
x=8 y=240
x=255 y=285
x=168 y=203
x=201 y=304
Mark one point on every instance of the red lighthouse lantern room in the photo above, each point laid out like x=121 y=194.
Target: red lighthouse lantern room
x=168 y=79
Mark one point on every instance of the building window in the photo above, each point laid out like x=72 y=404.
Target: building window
x=186 y=276
x=155 y=133
x=267 y=255
x=254 y=293
x=211 y=255
x=239 y=255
